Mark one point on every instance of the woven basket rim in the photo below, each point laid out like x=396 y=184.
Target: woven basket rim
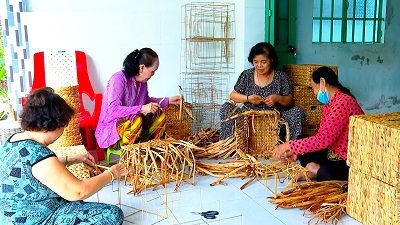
x=381 y=119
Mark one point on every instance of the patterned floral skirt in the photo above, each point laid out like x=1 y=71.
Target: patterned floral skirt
x=140 y=129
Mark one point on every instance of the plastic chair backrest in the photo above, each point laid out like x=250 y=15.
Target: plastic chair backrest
x=63 y=68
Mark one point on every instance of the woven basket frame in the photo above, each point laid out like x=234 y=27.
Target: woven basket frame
x=304 y=97
x=300 y=74
x=262 y=132
x=374 y=146
x=175 y=127
x=372 y=201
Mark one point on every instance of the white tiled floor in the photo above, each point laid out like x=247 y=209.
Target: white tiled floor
x=236 y=207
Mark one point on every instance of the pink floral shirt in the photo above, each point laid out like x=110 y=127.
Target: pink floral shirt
x=334 y=127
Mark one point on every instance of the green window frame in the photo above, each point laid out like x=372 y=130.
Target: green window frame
x=349 y=21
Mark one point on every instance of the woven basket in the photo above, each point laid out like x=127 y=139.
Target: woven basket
x=79 y=170
x=71 y=135
x=374 y=146
x=175 y=127
x=304 y=97
x=262 y=131
x=300 y=74
x=372 y=201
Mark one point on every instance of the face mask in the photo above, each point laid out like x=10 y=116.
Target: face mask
x=322 y=97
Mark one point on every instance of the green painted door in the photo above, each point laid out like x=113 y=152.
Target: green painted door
x=280 y=29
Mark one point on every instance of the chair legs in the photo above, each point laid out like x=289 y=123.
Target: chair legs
x=90 y=142
x=100 y=153
x=111 y=151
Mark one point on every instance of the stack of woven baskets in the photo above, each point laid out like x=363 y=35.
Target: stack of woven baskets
x=71 y=135
x=374 y=160
x=70 y=142
x=303 y=95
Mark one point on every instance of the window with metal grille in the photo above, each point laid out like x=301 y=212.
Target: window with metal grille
x=348 y=21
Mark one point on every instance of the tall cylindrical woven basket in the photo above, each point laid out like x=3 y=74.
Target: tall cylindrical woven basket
x=71 y=135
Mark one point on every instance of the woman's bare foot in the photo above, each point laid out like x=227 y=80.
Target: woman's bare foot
x=307 y=176
x=312 y=169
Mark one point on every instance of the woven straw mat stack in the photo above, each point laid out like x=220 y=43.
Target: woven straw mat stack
x=374 y=160
x=300 y=75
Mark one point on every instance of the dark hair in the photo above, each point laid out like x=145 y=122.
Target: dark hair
x=45 y=111
x=264 y=48
x=132 y=61
x=330 y=78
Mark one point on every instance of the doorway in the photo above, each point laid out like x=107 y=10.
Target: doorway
x=280 y=29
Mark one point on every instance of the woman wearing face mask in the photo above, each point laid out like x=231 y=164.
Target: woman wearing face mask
x=128 y=114
x=324 y=154
x=263 y=87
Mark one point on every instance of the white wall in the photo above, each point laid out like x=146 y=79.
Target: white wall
x=254 y=28
x=108 y=30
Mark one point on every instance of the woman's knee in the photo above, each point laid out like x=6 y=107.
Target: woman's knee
x=226 y=108
x=298 y=112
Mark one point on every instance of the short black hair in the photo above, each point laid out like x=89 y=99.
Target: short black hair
x=45 y=111
x=264 y=48
x=330 y=78
x=146 y=56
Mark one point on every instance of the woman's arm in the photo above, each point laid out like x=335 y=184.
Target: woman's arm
x=116 y=90
x=241 y=98
x=285 y=95
x=237 y=97
x=61 y=181
x=332 y=125
x=86 y=158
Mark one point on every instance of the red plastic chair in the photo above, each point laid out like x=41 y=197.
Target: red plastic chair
x=88 y=121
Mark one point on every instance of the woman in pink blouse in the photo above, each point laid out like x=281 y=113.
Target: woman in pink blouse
x=128 y=114
x=324 y=154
